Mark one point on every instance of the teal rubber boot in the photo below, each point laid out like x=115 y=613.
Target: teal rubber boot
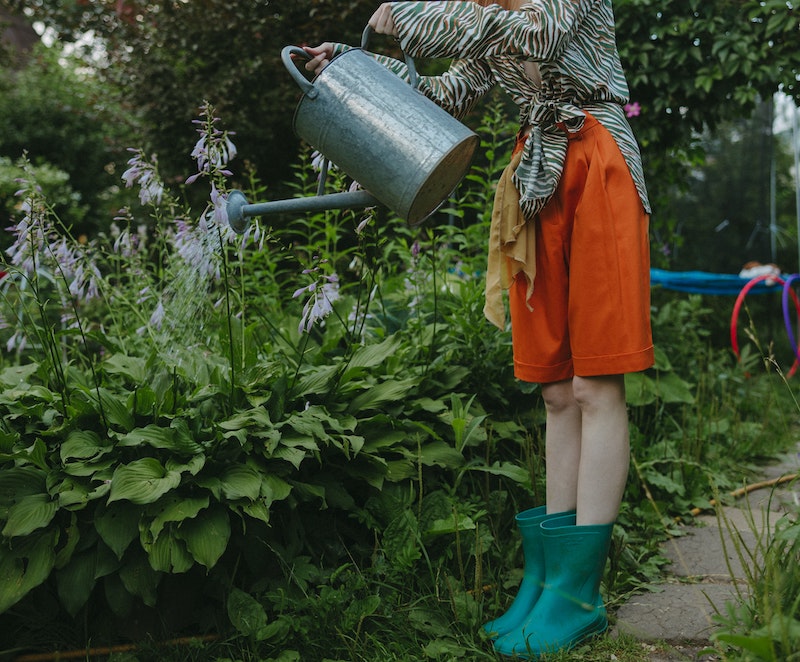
x=570 y=608
x=528 y=523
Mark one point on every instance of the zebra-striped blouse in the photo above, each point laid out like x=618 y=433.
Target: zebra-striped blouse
x=574 y=45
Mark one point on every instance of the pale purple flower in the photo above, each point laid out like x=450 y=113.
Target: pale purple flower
x=324 y=292
x=157 y=318
x=214 y=149
x=145 y=174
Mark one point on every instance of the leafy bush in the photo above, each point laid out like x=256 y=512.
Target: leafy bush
x=296 y=435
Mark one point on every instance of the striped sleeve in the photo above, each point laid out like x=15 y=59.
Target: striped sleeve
x=538 y=31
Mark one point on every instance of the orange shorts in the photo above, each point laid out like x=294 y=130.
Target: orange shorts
x=590 y=309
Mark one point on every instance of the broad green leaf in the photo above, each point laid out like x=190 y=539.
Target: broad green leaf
x=83 y=445
x=437 y=453
x=132 y=367
x=241 y=482
x=140 y=579
x=169 y=554
x=246 y=614
x=174 y=438
x=294 y=456
x=142 y=481
x=255 y=417
x=369 y=356
x=118 y=526
x=390 y=391
x=506 y=469
x=15 y=375
x=450 y=525
x=115 y=409
x=274 y=488
x=19 y=482
x=25 y=566
x=193 y=466
x=72 y=494
x=206 y=535
x=73 y=534
x=76 y=580
x=174 y=508
x=31 y=512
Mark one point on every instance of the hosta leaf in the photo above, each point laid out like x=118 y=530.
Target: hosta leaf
x=174 y=438
x=369 y=356
x=257 y=510
x=19 y=482
x=140 y=579
x=132 y=367
x=241 y=482
x=118 y=526
x=255 y=417
x=115 y=409
x=507 y=469
x=176 y=509
x=246 y=613
x=294 y=456
x=274 y=488
x=142 y=481
x=438 y=453
x=206 y=535
x=25 y=566
x=391 y=391
x=193 y=466
x=169 y=554
x=18 y=374
x=76 y=580
x=83 y=445
x=28 y=514
x=71 y=493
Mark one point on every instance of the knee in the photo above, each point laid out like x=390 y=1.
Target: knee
x=558 y=397
x=599 y=392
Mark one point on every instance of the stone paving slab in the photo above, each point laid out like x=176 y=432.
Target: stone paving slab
x=709 y=567
x=679 y=613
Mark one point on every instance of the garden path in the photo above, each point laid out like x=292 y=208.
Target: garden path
x=708 y=568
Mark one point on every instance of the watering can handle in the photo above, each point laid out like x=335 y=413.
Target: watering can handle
x=291 y=67
x=412 y=69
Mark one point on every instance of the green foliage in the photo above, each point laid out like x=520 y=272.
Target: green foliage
x=690 y=64
x=62 y=119
x=765 y=627
x=179 y=453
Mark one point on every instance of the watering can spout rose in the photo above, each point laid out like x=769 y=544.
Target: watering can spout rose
x=407 y=153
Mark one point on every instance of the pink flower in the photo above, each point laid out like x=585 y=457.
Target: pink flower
x=632 y=109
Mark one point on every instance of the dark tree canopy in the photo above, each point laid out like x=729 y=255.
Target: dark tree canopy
x=690 y=65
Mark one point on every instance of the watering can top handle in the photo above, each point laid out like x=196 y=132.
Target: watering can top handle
x=413 y=77
x=306 y=85
x=291 y=67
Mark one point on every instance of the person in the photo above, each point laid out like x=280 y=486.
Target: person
x=569 y=242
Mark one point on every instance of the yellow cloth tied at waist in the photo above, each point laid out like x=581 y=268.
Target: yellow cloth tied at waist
x=512 y=246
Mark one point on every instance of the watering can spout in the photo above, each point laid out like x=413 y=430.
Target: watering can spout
x=240 y=211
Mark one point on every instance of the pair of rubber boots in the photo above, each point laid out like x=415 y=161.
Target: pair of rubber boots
x=558 y=604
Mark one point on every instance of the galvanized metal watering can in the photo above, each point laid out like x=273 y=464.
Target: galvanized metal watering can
x=406 y=152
